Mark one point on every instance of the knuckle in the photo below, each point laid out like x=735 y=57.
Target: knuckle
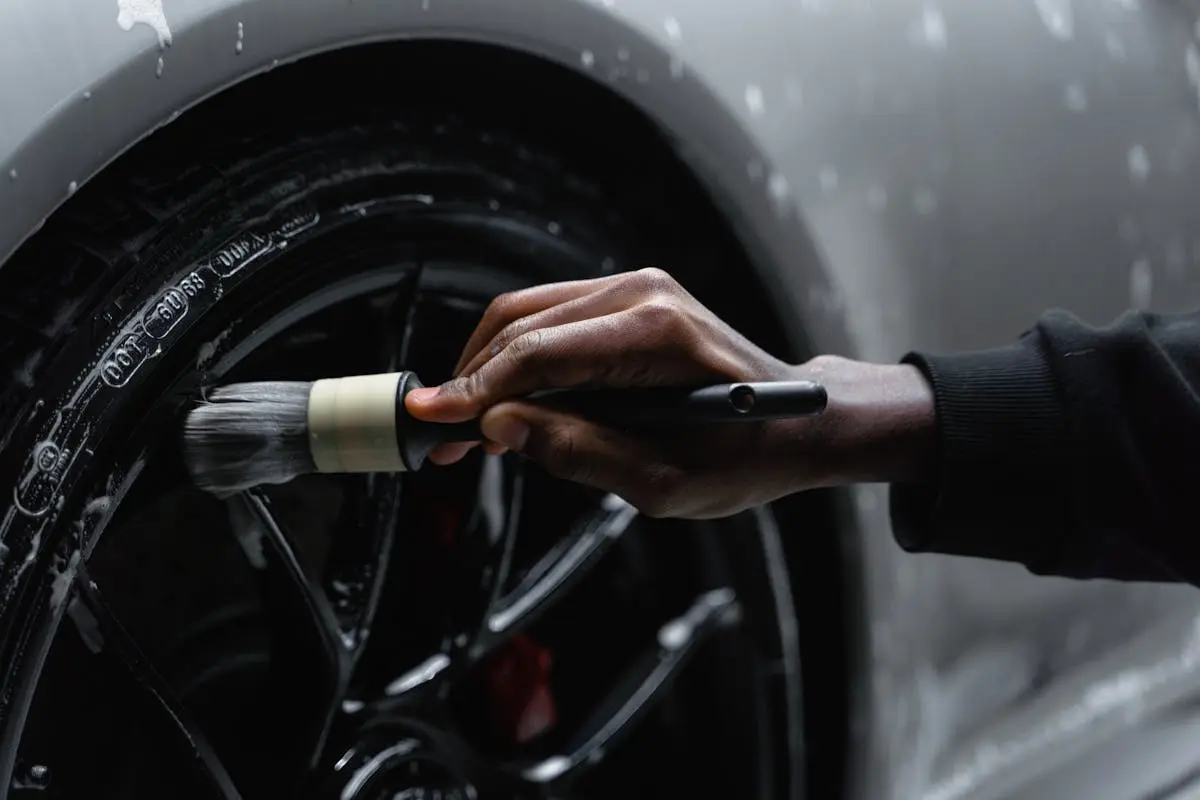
x=655 y=279
x=507 y=335
x=525 y=346
x=501 y=305
x=664 y=316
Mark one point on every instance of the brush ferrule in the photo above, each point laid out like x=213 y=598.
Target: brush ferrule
x=352 y=424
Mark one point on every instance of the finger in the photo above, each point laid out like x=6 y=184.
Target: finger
x=548 y=358
x=514 y=305
x=598 y=303
x=445 y=454
x=574 y=449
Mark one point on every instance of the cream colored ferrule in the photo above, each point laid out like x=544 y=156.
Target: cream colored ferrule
x=352 y=424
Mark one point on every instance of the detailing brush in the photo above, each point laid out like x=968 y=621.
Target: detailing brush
x=250 y=434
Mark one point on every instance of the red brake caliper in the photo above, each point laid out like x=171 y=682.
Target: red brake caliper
x=516 y=674
x=517 y=677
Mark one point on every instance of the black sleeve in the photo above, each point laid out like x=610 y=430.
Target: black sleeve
x=1075 y=451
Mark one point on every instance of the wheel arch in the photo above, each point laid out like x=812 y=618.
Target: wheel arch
x=71 y=121
x=74 y=124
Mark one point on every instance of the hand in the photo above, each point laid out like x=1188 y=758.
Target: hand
x=635 y=329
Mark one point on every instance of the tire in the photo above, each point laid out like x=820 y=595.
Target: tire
x=133 y=298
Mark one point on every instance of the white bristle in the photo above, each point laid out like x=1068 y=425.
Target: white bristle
x=247 y=435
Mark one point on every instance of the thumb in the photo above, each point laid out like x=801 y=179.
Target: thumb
x=575 y=449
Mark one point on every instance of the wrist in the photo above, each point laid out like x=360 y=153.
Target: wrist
x=880 y=425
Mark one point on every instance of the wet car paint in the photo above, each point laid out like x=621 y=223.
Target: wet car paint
x=905 y=174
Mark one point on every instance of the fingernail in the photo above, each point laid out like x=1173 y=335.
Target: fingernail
x=424 y=394
x=510 y=431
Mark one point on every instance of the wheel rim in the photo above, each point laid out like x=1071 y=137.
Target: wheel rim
x=373 y=730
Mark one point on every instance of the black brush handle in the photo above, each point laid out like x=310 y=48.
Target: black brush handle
x=652 y=407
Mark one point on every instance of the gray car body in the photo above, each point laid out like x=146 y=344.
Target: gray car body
x=906 y=174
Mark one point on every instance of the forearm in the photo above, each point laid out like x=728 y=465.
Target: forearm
x=1069 y=452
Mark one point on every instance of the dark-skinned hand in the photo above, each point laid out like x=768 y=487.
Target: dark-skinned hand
x=642 y=329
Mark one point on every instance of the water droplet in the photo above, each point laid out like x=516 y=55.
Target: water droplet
x=877 y=197
x=777 y=187
x=925 y=202
x=1191 y=65
x=13 y=174
x=1141 y=284
x=622 y=54
x=1058 y=17
x=676 y=67
x=587 y=58
x=754 y=99
x=494 y=204
x=608 y=265
x=828 y=178
x=554 y=228
x=1139 y=164
x=930 y=29
x=424 y=5
x=158 y=71
x=72 y=187
x=1114 y=46
x=671 y=26
x=1075 y=98
x=87 y=95
x=274 y=63
x=241 y=39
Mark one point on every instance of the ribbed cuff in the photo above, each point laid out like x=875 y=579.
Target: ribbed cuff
x=1002 y=444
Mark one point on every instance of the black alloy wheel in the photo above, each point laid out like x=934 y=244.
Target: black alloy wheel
x=480 y=630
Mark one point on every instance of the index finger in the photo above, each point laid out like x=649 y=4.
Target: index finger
x=512 y=306
x=559 y=357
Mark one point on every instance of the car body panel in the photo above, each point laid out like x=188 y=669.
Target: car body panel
x=906 y=174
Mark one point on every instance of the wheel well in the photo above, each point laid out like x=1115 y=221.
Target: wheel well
x=586 y=123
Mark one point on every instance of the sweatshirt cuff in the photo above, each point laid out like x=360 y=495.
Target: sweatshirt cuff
x=1002 y=442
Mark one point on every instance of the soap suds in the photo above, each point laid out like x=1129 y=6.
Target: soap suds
x=145 y=12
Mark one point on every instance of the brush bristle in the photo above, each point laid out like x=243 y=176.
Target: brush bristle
x=248 y=434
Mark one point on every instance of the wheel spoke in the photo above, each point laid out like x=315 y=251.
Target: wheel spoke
x=359 y=559
x=501 y=487
x=555 y=573
x=308 y=633
x=108 y=636
x=640 y=687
